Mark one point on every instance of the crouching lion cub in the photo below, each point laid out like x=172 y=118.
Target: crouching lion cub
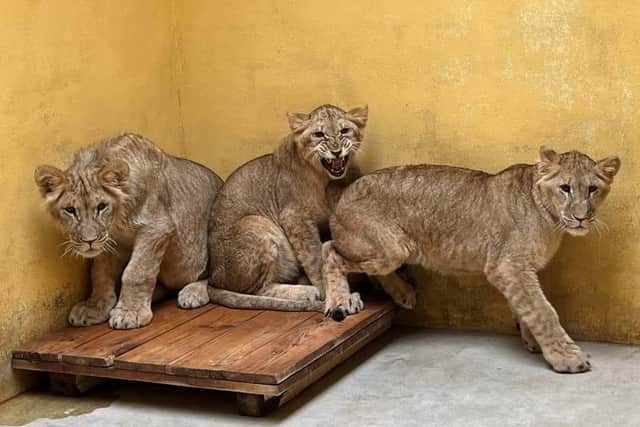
x=452 y=220
x=141 y=215
x=265 y=230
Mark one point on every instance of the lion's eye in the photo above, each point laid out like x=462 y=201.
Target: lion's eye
x=566 y=188
x=70 y=210
x=101 y=206
x=592 y=189
x=345 y=131
x=318 y=134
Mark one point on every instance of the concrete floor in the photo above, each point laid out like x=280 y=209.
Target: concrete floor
x=410 y=377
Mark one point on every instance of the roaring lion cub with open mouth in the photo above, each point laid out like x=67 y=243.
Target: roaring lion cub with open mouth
x=453 y=220
x=141 y=215
x=265 y=230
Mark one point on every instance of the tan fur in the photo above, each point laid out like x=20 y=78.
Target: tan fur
x=141 y=215
x=265 y=236
x=507 y=226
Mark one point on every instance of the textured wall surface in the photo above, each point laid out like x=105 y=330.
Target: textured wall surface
x=71 y=73
x=472 y=83
x=479 y=84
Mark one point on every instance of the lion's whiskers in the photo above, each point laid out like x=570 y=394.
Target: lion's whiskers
x=110 y=246
x=314 y=152
x=597 y=228
x=69 y=246
x=599 y=225
x=559 y=228
x=66 y=252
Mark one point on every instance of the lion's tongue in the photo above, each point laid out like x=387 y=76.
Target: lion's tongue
x=336 y=163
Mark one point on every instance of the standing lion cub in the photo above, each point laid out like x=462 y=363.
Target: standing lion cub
x=453 y=220
x=140 y=214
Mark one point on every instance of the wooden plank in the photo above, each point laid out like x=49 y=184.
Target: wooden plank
x=302 y=345
x=311 y=373
x=236 y=344
x=103 y=350
x=247 y=368
x=150 y=377
x=51 y=347
x=154 y=355
x=289 y=388
x=257 y=354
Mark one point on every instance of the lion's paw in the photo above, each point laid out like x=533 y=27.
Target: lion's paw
x=124 y=318
x=87 y=313
x=193 y=295
x=407 y=300
x=567 y=358
x=338 y=308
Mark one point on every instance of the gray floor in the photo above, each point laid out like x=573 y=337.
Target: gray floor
x=413 y=377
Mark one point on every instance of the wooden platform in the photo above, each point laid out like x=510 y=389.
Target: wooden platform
x=266 y=357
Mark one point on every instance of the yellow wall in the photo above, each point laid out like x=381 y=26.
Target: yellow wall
x=71 y=72
x=473 y=83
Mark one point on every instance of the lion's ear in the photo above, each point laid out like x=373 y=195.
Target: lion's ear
x=297 y=121
x=549 y=161
x=50 y=180
x=114 y=174
x=608 y=168
x=359 y=116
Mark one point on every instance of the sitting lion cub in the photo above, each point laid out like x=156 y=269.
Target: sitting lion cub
x=265 y=231
x=140 y=214
x=452 y=220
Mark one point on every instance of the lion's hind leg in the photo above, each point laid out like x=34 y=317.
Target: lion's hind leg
x=399 y=289
x=378 y=252
x=255 y=254
x=262 y=271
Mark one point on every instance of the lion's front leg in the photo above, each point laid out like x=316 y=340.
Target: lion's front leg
x=133 y=309
x=522 y=290
x=105 y=273
x=339 y=301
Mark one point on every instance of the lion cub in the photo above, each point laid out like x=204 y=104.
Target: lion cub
x=265 y=231
x=453 y=220
x=141 y=215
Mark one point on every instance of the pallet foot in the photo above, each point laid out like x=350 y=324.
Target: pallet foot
x=256 y=405
x=72 y=385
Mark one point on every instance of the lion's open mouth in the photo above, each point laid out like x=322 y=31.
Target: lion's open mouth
x=336 y=167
